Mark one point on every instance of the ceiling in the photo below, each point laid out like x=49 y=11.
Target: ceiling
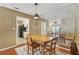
x=48 y=11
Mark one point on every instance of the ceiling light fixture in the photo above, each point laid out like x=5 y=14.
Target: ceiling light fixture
x=36 y=16
x=16 y=8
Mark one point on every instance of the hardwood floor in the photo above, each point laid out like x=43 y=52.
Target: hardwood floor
x=64 y=50
x=10 y=51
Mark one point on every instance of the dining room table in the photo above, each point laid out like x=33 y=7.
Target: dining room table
x=43 y=42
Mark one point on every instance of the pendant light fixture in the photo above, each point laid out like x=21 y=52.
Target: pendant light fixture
x=36 y=16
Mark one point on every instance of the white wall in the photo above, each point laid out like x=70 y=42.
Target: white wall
x=68 y=24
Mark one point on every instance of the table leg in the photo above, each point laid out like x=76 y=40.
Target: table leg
x=43 y=50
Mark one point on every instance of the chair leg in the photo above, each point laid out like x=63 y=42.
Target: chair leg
x=54 y=50
x=50 y=52
x=28 y=50
x=64 y=40
x=32 y=51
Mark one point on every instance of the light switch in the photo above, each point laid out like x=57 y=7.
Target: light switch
x=9 y=21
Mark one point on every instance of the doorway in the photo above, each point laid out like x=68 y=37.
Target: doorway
x=22 y=29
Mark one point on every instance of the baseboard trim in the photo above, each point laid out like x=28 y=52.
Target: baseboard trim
x=63 y=48
x=11 y=47
x=7 y=48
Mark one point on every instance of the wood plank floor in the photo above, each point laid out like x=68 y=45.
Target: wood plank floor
x=10 y=51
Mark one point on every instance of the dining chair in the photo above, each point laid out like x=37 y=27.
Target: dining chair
x=62 y=37
x=74 y=48
x=50 y=46
x=31 y=45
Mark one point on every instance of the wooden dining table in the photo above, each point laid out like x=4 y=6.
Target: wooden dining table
x=43 y=42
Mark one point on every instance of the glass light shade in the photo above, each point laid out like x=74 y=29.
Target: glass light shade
x=36 y=16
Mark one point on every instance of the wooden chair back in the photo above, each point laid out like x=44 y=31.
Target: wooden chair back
x=50 y=46
x=29 y=39
x=53 y=44
x=62 y=35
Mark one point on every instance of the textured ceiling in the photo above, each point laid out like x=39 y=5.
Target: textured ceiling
x=48 y=11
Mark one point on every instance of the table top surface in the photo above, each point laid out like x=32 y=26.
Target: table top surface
x=43 y=41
